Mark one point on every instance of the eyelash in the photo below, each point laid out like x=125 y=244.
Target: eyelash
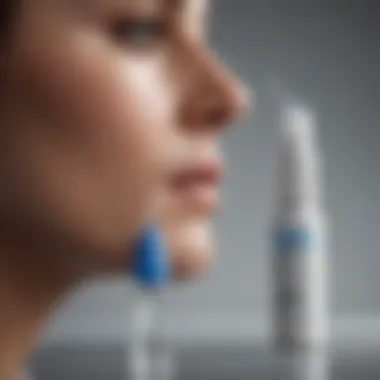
x=140 y=32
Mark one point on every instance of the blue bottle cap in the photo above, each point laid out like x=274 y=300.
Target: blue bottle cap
x=150 y=265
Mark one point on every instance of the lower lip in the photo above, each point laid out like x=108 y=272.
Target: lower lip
x=203 y=195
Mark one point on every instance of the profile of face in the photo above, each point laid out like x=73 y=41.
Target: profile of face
x=111 y=111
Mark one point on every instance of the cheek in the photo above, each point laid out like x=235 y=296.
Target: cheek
x=127 y=109
x=114 y=113
x=117 y=100
x=95 y=121
x=135 y=107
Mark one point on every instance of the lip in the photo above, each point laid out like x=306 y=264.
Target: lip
x=199 y=184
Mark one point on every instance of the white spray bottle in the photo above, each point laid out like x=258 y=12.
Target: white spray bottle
x=151 y=353
x=300 y=261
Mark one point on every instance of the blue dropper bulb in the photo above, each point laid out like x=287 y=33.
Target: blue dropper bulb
x=150 y=265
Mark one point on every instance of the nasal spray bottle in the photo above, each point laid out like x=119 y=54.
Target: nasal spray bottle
x=149 y=358
x=299 y=235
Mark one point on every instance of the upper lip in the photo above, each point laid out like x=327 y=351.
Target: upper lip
x=209 y=172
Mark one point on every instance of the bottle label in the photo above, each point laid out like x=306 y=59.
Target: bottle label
x=300 y=284
x=295 y=240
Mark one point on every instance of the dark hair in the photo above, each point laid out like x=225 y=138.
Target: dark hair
x=6 y=13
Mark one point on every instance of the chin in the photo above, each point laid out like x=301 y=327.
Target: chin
x=191 y=250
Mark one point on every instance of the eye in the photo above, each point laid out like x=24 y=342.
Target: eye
x=140 y=32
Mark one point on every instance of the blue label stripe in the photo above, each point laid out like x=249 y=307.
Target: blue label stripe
x=295 y=239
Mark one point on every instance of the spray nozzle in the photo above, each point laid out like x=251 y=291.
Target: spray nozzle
x=150 y=265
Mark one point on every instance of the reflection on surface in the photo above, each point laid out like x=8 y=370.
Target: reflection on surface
x=246 y=363
x=305 y=366
x=209 y=363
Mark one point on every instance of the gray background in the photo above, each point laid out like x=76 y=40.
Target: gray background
x=326 y=53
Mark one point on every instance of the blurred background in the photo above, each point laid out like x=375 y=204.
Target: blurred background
x=325 y=52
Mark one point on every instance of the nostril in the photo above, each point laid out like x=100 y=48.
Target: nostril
x=215 y=103
x=219 y=115
x=230 y=107
x=232 y=104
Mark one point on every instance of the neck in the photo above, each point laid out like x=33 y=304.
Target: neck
x=28 y=290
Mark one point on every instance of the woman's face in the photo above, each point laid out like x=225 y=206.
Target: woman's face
x=111 y=109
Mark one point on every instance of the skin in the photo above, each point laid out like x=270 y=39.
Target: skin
x=97 y=118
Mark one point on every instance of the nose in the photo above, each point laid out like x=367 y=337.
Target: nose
x=213 y=96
